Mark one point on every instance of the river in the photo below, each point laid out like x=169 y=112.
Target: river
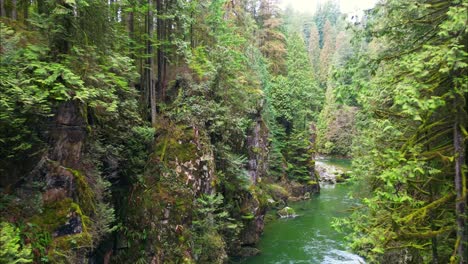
x=309 y=238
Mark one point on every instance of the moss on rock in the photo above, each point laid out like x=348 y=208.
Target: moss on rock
x=50 y=239
x=84 y=192
x=174 y=142
x=287 y=212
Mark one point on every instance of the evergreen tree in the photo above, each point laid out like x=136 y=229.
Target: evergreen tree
x=314 y=50
x=326 y=53
x=272 y=40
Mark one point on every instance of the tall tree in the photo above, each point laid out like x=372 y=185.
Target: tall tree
x=272 y=40
x=149 y=80
x=2 y=8
x=329 y=11
x=326 y=54
x=314 y=49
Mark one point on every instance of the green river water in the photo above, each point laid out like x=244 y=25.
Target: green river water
x=309 y=238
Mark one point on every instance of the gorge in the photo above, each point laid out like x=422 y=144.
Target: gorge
x=172 y=131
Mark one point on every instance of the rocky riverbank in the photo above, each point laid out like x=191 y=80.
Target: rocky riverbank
x=330 y=173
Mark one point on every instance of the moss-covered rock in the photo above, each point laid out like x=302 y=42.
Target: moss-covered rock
x=211 y=249
x=60 y=233
x=298 y=190
x=174 y=142
x=287 y=212
x=277 y=192
x=84 y=192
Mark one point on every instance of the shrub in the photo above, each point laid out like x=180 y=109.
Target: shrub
x=11 y=250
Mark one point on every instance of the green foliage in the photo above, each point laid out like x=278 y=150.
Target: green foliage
x=282 y=98
x=405 y=147
x=294 y=100
x=34 y=84
x=199 y=62
x=329 y=11
x=298 y=154
x=22 y=94
x=210 y=213
x=11 y=250
x=210 y=221
x=336 y=128
x=306 y=95
x=233 y=176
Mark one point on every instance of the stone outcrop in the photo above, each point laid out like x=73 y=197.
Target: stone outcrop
x=258 y=149
x=300 y=190
x=329 y=173
x=287 y=212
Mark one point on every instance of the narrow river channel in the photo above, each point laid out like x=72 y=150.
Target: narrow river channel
x=309 y=238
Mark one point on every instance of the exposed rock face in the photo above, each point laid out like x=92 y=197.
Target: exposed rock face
x=68 y=135
x=67 y=198
x=328 y=173
x=72 y=226
x=67 y=138
x=258 y=148
x=181 y=170
x=300 y=190
x=253 y=229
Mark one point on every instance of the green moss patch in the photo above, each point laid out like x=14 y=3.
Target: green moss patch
x=312 y=182
x=53 y=215
x=42 y=226
x=84 y=192
x=174 y=141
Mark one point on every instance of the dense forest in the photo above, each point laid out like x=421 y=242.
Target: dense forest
x=162 y=131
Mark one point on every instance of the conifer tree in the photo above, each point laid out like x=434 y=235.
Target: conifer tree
x=326 y=53
x=314 y=49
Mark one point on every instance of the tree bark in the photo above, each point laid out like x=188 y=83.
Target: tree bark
x=2 y=8
x=435 y=254
x=26 y=12
x=149 y=63
x=131 y=25
x=161 y=37
x=460 y=182
x=42 y=7
x=14 y=14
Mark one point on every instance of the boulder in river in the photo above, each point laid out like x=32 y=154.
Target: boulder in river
x=287 y=212
x=329 y=173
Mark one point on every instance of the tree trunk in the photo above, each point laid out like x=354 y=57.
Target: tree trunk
x=460 y=182
x=14 y=14
x=131 y=30
x=161 y=36
x=26 y=12
x=192 y=43
x=2 y=8
x=149 y=64
x=435 y=254
x=42 y=7
x=131 y=25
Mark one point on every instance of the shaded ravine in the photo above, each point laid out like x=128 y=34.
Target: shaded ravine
x=310 y=238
